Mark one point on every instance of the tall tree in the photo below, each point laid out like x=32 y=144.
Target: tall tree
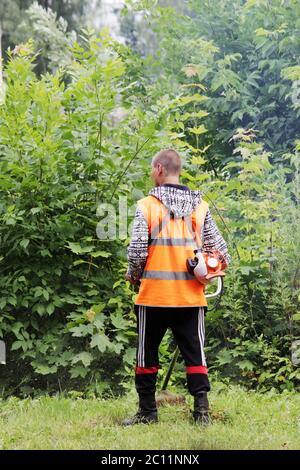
x=12 y=14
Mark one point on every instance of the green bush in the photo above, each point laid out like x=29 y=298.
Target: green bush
x=85 y=135
x=66 y=313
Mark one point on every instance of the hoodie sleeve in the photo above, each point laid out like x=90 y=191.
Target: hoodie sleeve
x=213 y=240
x=137 y=251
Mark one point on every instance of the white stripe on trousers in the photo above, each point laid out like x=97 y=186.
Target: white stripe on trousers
x=201 y=334
x=142 y=325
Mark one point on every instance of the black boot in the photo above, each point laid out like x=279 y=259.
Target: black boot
x=201 y=413
x=147 y=412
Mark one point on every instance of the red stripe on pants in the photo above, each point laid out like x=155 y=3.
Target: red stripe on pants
x=146 y=370
x=196 y=370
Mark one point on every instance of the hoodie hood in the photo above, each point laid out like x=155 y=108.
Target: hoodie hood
x=181 y=202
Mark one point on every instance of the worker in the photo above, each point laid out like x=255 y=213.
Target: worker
x=169 y=223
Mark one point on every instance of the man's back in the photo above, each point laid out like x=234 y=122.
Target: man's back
x=171 y=215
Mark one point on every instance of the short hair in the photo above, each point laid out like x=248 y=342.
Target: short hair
x=170 y=160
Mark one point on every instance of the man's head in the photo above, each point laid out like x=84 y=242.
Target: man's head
x=166 y=167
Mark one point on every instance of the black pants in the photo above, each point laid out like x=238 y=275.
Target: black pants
x=187 y=325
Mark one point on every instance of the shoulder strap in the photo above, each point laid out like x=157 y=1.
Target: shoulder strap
x=158 y=228
x=199 y=240
x=166 y=218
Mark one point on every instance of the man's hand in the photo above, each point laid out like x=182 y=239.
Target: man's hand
x=129 y=278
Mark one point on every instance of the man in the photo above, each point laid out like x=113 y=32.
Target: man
x=169 y=224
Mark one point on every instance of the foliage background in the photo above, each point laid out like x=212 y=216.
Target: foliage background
x=80 y=120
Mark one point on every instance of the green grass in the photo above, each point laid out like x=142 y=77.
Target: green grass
x=241 y=420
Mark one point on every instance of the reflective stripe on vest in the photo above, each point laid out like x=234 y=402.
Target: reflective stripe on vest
x=166 y=280
x=167 y=275
x=173 y=241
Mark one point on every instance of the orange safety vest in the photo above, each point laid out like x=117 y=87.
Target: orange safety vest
x=166 y=281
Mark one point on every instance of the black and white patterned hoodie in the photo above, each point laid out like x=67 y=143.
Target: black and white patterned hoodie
x=182 y=201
